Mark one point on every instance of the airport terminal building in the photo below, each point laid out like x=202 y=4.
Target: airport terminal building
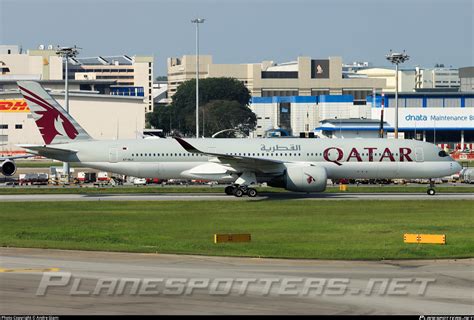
x=323 y=97
x=109 y=96
x=292 y=96
x=442 y=118
x=304 y=77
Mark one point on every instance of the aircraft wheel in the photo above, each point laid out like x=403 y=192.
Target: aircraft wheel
x=229 y=190
x=238 y=192
x=252 y=193
x=431 y=191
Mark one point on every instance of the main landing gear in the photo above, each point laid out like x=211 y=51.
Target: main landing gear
x=431 y=191
x=240 y=190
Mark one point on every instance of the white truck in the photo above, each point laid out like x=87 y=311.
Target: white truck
x=468 y=175
x=102 y=179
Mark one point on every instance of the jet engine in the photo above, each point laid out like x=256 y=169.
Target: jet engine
x=302 y=179
x=8 y=168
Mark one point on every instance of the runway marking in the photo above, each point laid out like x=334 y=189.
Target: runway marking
x=29 y=270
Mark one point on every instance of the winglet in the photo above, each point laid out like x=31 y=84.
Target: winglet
x=187 y=146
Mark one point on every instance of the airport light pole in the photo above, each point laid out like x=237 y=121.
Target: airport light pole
x=203 y=127
x=66 y=53
x=381 y=115
x=396 y=58
x=197 y=21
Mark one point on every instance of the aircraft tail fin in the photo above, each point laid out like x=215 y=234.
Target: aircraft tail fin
x=54 y=123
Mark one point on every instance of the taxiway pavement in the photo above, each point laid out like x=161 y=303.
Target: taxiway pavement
x=449 y=288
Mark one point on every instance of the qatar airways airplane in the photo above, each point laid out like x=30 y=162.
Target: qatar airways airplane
x=294 y=164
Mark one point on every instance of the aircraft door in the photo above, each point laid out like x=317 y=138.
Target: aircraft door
x=113 y=155
x=419 y=157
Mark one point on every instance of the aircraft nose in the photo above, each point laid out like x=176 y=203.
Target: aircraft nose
x=456 y=166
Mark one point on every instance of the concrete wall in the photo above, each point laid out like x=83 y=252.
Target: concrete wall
x=406 y=78
x=182 y=69
x=306 y=114
x=143 y=77
x=303 y=117
x=38 y=64
x=266 y=117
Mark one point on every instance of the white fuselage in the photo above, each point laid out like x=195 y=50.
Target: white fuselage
x=342 y=158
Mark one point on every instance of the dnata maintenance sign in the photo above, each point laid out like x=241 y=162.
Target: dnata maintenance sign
x=419 y=118
x=422 y=117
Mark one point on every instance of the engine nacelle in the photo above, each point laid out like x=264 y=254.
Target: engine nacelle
x=306 y=179
x=8 y=168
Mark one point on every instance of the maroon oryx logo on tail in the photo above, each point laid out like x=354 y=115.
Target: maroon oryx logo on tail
x=51 y=122
x=310 y=178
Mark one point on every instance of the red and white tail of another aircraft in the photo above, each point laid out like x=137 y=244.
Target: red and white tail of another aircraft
x=294 y=164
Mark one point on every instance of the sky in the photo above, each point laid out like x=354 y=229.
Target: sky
x=244 y=31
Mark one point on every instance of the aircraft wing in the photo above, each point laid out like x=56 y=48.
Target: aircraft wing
x=244 y=162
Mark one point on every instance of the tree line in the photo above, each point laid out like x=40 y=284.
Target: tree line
x=223 y=104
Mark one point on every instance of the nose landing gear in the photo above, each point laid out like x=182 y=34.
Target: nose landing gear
x=431 y=190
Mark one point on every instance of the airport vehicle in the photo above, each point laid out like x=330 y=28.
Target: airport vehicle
x=139 y=181
x=302 y=165
x=33 y=179
x=153 y=180
x=8 y=165
x=56 y=175
x=468 y=175
x=86 y=177
x=103 y=177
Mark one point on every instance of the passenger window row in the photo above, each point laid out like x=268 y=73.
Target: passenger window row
x=245 y=154
x=166 y=155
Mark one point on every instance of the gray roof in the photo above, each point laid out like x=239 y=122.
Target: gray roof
x=90 y=61
x=104 y=60
x=354 y=120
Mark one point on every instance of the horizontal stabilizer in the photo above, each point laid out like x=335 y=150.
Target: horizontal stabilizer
x=46 y=150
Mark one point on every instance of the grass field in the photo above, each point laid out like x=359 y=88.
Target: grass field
x=288 y=229
x=461 y=188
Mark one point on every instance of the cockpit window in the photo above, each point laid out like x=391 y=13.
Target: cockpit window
x=443 y=153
